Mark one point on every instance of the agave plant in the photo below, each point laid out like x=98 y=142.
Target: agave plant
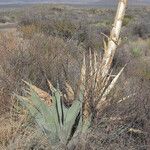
x=58 y=122
x=61 y=123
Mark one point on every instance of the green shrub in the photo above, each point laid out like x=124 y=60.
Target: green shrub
x=64 y=28
x=136 y=52
x=127 y=20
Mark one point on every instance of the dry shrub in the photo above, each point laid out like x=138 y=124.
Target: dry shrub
x=52 y=57
x=63 y=28
x=134 y=111
x=28 y=31
x=142 y=30
x=138 y=59
x=124 y=124
x=140 y=47
x=18 y=132
x=8 y=43
x=33 y=60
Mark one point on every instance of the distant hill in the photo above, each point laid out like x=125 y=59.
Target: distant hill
x=92 y=2
x=112 y=2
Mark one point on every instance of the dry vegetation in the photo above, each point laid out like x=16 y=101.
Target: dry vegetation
x=49 y=42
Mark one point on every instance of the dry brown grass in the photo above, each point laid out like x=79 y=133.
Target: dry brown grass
x=18 y=132
x=28 y=31
x=32 y=60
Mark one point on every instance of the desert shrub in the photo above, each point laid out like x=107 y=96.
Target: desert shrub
x=3 y=20
x=139 y=47
x=32 y=60
x=132 y=50
x=8 y=46
x=136 y=52
x=62 y=28
x=28 y=31
x=103 y=23
x=65 y=23
x=136 y=55
x=65 y=28
x=127 y=20
x=54 y=51
x=90 y=37
x=140 y=68
x=142 y=30
x=15 y=133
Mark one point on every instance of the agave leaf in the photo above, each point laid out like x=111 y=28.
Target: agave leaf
x=86 y=124
x=34 y=97
x=79 y=125
x=81 y=88
x=91 y=64
x=25 y=102
x=42 y=94
x=105 y=45
x=59 y=106
x=104 y=84
x=83 y=71
x=51 y=86
x=47 y=113
x=71 y=116
x=42 y=107
x=113 y=83
x=39 y=109
x=54 y=113
x=126 y=98
x=33 y=112
x=65 y=110
x=109 y=88
x=95 y=62
x=73 y=111
x=70 y=92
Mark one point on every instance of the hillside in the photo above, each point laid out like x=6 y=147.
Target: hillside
x=94 y=2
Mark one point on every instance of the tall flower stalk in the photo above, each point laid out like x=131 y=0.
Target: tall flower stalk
x=100 y=82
